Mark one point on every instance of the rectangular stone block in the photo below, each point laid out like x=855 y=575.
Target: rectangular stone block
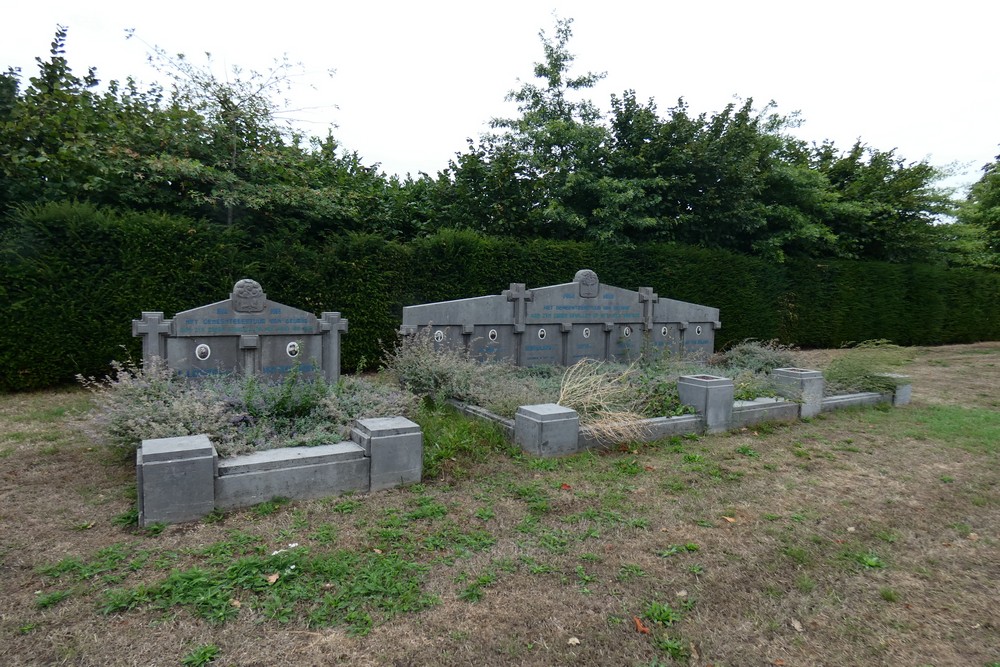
x=854 y=400
x=747 y=413
x=299 y=473
x=904 y=389
x=395 y=448
x=547 y=429
x=801 y=384
x=711 y=396
x=174 y=479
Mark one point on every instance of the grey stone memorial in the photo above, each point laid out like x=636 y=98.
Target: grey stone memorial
x=246 y=333
x=563 y=324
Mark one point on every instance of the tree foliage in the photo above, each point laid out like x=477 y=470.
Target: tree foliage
x=215 y=147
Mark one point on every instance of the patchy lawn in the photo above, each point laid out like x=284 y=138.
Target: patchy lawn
x=858 y=538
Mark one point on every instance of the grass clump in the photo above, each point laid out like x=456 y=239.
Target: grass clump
x=866 y=367
x=241 y=413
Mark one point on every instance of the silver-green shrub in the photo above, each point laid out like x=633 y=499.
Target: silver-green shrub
x=240 y=413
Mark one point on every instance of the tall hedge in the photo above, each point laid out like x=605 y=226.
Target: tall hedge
x=72 y=278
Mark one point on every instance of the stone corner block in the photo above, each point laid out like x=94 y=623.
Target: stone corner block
x=711 y=396
x=801 y=384
x=175 y=479
x=395 y=446
x=904 y=389
x=547 y=429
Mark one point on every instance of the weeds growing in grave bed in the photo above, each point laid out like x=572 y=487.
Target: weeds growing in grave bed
x=240 y=413
x=611 y=398
x=866 y=367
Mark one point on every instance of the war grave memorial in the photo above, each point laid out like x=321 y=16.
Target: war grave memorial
x=183 y=478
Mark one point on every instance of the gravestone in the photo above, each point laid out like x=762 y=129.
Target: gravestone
x=246 y=333
x=563 y=324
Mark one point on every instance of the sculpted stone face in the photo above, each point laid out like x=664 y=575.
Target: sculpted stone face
x=248 y=296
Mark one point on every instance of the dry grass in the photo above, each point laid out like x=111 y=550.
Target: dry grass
x=755 y=538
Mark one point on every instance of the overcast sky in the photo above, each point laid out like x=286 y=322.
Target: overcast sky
x=415 y=79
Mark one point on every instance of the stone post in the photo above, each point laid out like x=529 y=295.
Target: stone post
x=175 y=479
x=332 y=325
x=803 y=385
x=547 y=429
x=395 y=446
x=711 y=396
x=904 y=389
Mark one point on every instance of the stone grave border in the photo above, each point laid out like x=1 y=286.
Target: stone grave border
x=182 y=479
x=553 y=430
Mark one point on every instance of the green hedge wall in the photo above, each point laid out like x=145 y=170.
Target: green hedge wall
x=73 y=277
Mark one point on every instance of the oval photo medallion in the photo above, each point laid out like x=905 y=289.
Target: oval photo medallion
x=203 y=352
x=586 y=332
x=292 y=349
x=627 y=332
x=493 y=334
x=438 y=336
x=541 y=334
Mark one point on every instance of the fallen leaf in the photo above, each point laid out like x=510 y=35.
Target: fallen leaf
x=778 y=662
x=573 y=641
x=378 y=551
x=650 y=468
x=235 y=603
x=682 y=594
x=271 y=578
x=798 y=626
x=639 y=627
x=729 y=519
x=972 y=536
x=565 y=487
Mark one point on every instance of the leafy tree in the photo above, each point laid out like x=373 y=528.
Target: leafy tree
x=981 y=209
x=891 y=205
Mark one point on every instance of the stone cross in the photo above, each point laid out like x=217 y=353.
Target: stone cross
x=331 y=325
x=520 y=297
x=647 y=297
x=153 y=329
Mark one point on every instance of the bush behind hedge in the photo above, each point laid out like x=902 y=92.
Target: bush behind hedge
x=73 y=277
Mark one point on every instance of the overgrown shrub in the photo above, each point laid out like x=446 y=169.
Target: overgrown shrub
x=239 y=413
x=756 y=356
x=868 y=366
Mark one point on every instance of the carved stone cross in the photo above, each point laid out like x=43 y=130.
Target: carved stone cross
x=153 y=329
x=520 y=297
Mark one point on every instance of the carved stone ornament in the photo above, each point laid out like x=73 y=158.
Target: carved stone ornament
x=248 y=296
x=590 y=286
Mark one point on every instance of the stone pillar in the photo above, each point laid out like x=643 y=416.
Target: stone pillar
x=803 y=385
x=175 y=479
x=711 y=396
x=547 y=429
x=332 y=325
x=904 y=389
x=395 y=446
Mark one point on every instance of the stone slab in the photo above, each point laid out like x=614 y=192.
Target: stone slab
x=290 y=457
x=854 y=400
x=298 y=483
x=746 y=413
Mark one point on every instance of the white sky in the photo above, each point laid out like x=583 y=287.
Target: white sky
x=415 y=79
